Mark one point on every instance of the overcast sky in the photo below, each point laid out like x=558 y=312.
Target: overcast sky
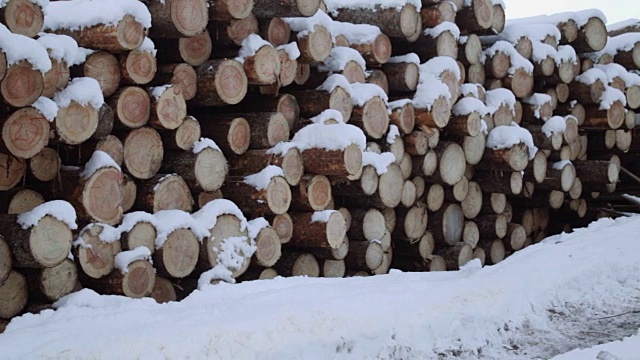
x=615 y=10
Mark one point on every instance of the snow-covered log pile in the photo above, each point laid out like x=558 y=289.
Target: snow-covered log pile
x=193 y=142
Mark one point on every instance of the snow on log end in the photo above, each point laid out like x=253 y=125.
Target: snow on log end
x=261 y=180
x=59 y=209
x=125 y=258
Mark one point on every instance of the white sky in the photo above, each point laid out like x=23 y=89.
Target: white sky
x=615 y=10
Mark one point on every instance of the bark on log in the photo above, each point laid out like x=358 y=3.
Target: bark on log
x=163 y=192
x=204 y=171
x=193 y=50
x=6 y=262
x=515 y=158
x=232 y=135
x=297 y=264
x=285 y=8
x=230 y=9
x=437 y=117
x=126 y=34
x=286 y=104
x=592 y=36
x=364 y=255
x=492 y=226
x=597 y=171
x=274 y=30
x=313 y=193
x=476 y=17
x=376 y=52
x=447 y=224
x=402 y=77
x=344 y=162
x=221 y=82
x=457 y=255
x=366 y=224
x=313 y=102
x=12 y=170
x=178 y=18
x=136 y=283
x=51 y=284
x=406 y=23
x=327 y=233
x=612 y=118
x=411 y=223
x=253 y=161
x=274 y=199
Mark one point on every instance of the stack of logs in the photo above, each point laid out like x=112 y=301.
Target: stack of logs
x=187 y=124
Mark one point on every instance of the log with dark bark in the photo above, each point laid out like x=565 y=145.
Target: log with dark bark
x=411 y=224
x=492 y=226
x=366 y=224
x=313 y=102
x=204 y=171
x=275 y=30
x=313 y=193
x=163 y=192
x=447 y=224
x=14 y=293
x=178 y=18
x=457 y=255
x=221 y=82
x=184 y=136
x=12 y=170
x=137 y=282
x=297 y=264
x=478 y=16
x=402 y=76
x=126 y=34
x=315 y=46
x=254 y=161
x=317 y=230
x=7 y=261
x=364 y=255
x=404 y=24
x=344 y=162
x=230 y=9
x=193 y=50
x=274 y=199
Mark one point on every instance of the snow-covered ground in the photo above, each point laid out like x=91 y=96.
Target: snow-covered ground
x=570 y=291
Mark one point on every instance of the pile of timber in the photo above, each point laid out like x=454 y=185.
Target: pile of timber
x=151 y=147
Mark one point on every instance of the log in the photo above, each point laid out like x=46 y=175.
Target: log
x=55 y=79
x=258 y=274
x=470 y=51
x=332 y=254
x=137 y=282
x=472 y=203
x=597 y=171
x=204 y=171
x=163 y=291
x=629 y=58
x=44 y=166
x=366 y=185
x=560 y=177
x=494 y=250
x=346 y=162
x=298 y=264
x=510 y=183
x=274 y=199
x=142 y=233
x=226 y=226
x=464 y=125
x=126 y=34
x=178 y=18
x=313 y=193
x=451 y=164
x=12 y=170
x=366 y=224
x=95 y=258
x=76 y=123
x=51 y=284
x=178 y=255
x=7 y=262
x=25 y=133
x=437 y=117
x=376 y=52
x=168 y=107
x=586 y=94
x=143 y=152
x=275 y=30
x=221 y=82
x=378 y=77
x=612 y=118
x=333 y=268
x=372 y=117
x=230 y=9
x=421 y=248
x=492 y=226
x=404 y=24
x=471 y=234
x=182 y=75
x=132 y=107
x=163 y=192
x=233 y=135
x=592 y=36
x=22 y=85
x=105 y=122
x=311 y=231
x=285 y=8
x=13 y=295
x=416 y=143
x=184 y=136
x=364 y=255
x=402 y=76
x=102 y=66
x=268 y=247
x=110 y=145
x=409 y=193
x=447 y=224
x=254 y=161
x=520 y=83
x=194 y=50
x=515 y=238
x=138 y=67
x=286 y=104
x=457 y=255
x=537 y=168
x=18 y=201
x=22 y=17
x=314 y=46
x=263 y=67
x=497 y=66
x=411 y=223
x=515 y=158
x=314 y=102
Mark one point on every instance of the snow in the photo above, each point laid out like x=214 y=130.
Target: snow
x=620 y=43
x=261 y=180
x=334 y=6
x=559 y=165
x=59 y=209
x=543 y=51
x=380 y=162
x=207 y=216
x=148 y=46
x=292 y=50
x=517 y=60
x=555 y=125
x=322 y=216
x=444 y=26
x=625 y=349
x=304 y=25
x=83 y=90
x=339 y=58
x=477 y=313
x=438 y=65
x=204 y=143
x=356 y=34
x=361 y=93
x=256 y=225
x=47 y=107
x=18 y=47
x=99 y=159
x=498 y=97
x=157 y=91
x=334 y=81
x=610 y=96
x=406 y=58
x=130 y=220
x=250 y=45
x=81 y=55
x=537 y=100
x=232 y=254
x=328 y=114
x=591 y=76
x=330 y=137
x=534 y=32
x=580 y=18
x=468 y=105
x=469 y=89
x=393 y=134
x=429 y=89
x=504 y=137
x=634 y=23
x=170 y=220
x=614 y=70
x=125 y=258
x=80 y=14
x=60 y=47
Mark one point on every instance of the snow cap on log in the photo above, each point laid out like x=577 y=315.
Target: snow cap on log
x=81 y=55
x=305 y=25
x=517 y=60
x=355 y=34
x=498 y=97
x=445 y=26
x=59 y=209
x=429 y=90
x=504 y=137
x=292 y=50
x=380 y=162
x=631 y=25
x=108 y=234
x=322 y=216
x=334 y=6
x=590 y=76
x=473 y=90
x=255 y=226
x=438 y=65
x=262 y=179
x=99 y=159
x=537 y=100
x=361 y=93
x=207 y=216
x=616 y=44
x=555 y=125
x=60 y=47
x=393 y=134
x=330 y=137
x=204 y=143
x=232 y=254
x=566 y=53
x=18 y=47
x=580 y=18
x=80 y=14
x=131 y=219
x=124 y=258
x=171 y=220
x=334 y=81
x=541 y=51
x=406 y=58
x=534 y=32
x=559 y=165
x=610 y=96
x=83 y=90
x=250 y=46
x=614 y=70
x=326 y=115
x=468 y=105
x=47 y=107
x=148 y=46
x=339 y=58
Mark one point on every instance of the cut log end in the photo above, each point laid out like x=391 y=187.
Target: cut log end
x=13 y=295
x=210 y=169
x=25 y=133
x=231 y=82
x=283 y=225
x=22 y=85
x=143 y=152
x=190 y=17
x=278 y=195
x=23 y=17
x=341 y=100
x=268 y=247
x=195 y=50
x=133 y=107
x=97 y=258
x=139 y=279
x=139 y=67
x=179 y=254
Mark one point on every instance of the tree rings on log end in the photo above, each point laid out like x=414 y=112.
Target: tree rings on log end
x=25 y=133
x=139 y=279
x=6 y=263
x=187 y=133
x=113 y=147
x=96 y=258
x=227 y=226
x=172 y=193
x=319 y=44
x=283 y=225
x=55 y=79
x=76 y=123
x=231 y=82
x=381 y=49
x=50 y=241
x=268 y=247
x=23 y=201
x=141 y=234
x=390 y=185
x=170 y=109
x=133 y=107
x=306 y=265
x=292 y=166
x=195 y=50
x=190 y=17
x=278 y=195
x=375 y=118
x=12 y=170
x=143 y=152
x=130 y=33
x=13 y=295
x=104 y=67
x=341 y=100
x=452 y=164
x=102 y=197
x=263 y=68
x=239 y=135
x=333 y=268
x=24 y=17
x=45 y=165
x=410 y=22
x=59 y=281
x=210 y=169
x=352 y=159
x=179 y=254
x=353 y=72
x=522 y=83
x=140 y=67
x=22 y=85
x=278 y=129
x=319 y=192
x=163 y=291
x=129 y=192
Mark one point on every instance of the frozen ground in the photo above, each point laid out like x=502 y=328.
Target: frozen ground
x=571 y=291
